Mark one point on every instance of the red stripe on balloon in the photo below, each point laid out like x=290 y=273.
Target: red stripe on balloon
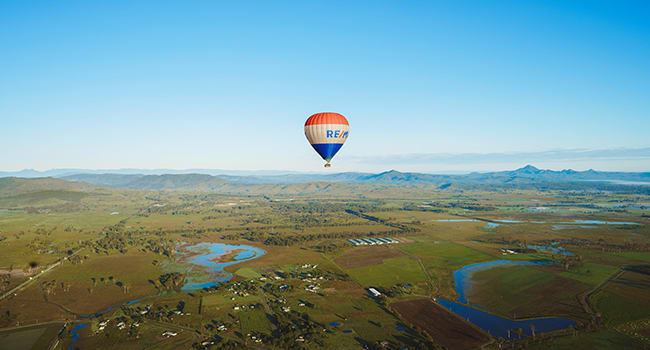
x=326 y=118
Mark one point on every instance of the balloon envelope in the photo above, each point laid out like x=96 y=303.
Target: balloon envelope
x=327 y=132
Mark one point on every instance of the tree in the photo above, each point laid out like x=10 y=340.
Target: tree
x=532 y=330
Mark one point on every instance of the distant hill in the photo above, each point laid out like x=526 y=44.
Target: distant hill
x=11 y=186
x=59 y=173
x=341 y=183
x=389 y=183
x=126 y=178
x=188 y=182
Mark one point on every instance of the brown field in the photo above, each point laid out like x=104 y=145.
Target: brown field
x=645 y=332
x=366 y=257
x=445 y=328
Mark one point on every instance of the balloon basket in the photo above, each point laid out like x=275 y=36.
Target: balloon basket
x=328 y=165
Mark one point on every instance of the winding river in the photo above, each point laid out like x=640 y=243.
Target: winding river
x=206 y=262
x=495 y=325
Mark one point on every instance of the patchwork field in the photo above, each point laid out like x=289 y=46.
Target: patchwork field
x=366 y=257
x=525 y=292
x=625 y=298
x=445 y=328
x=110 y=260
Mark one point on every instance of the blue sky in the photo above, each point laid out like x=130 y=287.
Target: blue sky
x=228 y=85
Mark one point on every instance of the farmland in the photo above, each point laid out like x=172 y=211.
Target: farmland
x=118 y=266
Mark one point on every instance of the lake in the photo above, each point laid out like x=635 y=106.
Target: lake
x=207 y=261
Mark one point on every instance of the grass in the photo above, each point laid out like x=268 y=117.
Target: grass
x=390 y=272
x=605 y=339
x=591 y=273
x=254 y=321
x=442 y=248
x=29 y=338
x=449 y=255
x=624 y=299
x=248 y=273
x=525 y=292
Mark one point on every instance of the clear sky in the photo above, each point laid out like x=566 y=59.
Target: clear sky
x=426 y=85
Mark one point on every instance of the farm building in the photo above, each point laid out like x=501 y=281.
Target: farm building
x=374 y=292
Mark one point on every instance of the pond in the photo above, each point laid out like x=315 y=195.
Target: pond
x=599 y=222
x=495 y=325
x=570 y=227
x=207 y=261
x=552 y=248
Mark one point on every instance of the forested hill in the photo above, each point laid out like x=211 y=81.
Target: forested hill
x=12 y=186
x=526 y=175
x=390 y=183
x=190 y=182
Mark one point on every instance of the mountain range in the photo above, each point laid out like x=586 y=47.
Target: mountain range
x=528 y=177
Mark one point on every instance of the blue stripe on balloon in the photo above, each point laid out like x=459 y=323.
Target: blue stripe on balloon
x=327 y=150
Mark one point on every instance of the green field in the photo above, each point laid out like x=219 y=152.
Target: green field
x=526 y=292
x=607 y=339
x=254 y=321
x=390 y=272
x=116 y=246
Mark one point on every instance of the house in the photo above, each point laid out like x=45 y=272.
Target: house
x=374 y=292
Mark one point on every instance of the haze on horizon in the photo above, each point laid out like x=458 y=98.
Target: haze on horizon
x=426 y=86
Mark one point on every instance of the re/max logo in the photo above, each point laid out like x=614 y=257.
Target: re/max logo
x=337 y=134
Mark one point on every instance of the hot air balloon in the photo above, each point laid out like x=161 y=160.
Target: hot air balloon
x=327 y=132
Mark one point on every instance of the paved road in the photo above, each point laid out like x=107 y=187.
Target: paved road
x=35 y=277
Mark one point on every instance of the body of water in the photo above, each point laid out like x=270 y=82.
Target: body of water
x=498 y=326
x=203 y=254
x=75 y=335
x=455 y=220
x=495 y=325
x=552 y=248
x=565 y=227
x=206 y=255
x=599 y=222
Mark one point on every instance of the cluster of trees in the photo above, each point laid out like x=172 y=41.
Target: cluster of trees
x=5 y=281
x=330 y=247
x=40 y=245
x=288 y=239
x=50 y=287
x=401 y=227
x=294 y=325
x=170 y=281
x=76 y=259
x=7 y=319
x=219 y=344
x=115 y=238
x=109 y=280
x=45 y=232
